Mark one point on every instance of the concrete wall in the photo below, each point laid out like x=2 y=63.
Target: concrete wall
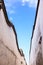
x=36 y=47
x=9 y=54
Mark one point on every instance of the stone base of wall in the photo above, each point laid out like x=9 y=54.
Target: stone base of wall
x=6 y=57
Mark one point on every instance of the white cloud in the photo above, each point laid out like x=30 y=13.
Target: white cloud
x=11 y=19
x=31 y=3
x=10 y=6
x=12 y=12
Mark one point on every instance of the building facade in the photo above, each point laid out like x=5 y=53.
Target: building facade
x=36 y=46
x=10 y=54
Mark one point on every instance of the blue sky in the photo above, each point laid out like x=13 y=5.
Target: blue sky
x=22 y=14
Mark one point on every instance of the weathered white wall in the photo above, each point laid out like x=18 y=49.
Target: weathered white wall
x=34 y=48
x=6 y=57
x=41 y=20
x=37 y=33
x=7 y=36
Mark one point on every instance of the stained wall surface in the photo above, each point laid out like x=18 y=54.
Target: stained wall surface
x=36 y=54
x=9 y=53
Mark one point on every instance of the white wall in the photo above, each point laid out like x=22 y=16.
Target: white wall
x=7 y=34
x=41 y=20
x=37 y=33
x=35 y=41
x=8 y=37
x=6 y=56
